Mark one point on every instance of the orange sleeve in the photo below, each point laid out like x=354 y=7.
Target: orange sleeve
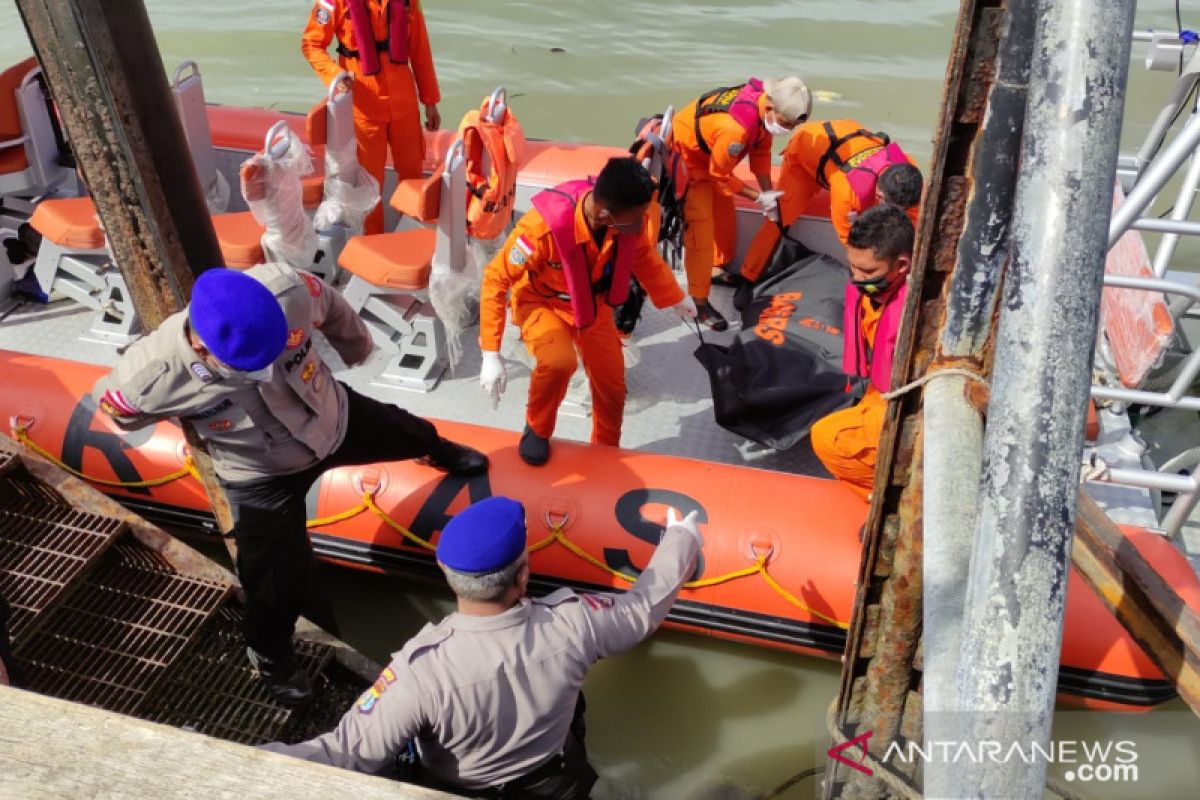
x=842 y=203
x=654 y=274
x=728 y=149
x=501 y=274
x=420 y=58
x=760 y=155
x=318 y=35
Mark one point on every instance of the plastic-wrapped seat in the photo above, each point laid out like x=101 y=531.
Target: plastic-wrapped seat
x=389 y=274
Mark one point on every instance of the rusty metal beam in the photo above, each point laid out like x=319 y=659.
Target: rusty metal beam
x=883 y=661
x=1149 y=607
x=102 y=65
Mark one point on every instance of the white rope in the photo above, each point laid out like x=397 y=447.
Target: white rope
x=961 y=372
x=1094 y=468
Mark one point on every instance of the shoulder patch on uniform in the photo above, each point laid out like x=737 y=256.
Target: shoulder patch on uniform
x=201 y=371
x=736 y=148
x=322 y=15
x=521 y=250
x=368 y=699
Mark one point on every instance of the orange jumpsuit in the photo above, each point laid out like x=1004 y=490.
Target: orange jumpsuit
x=533 y=285
x=798 y=182
x=847 y=441
x=710 y=235
x=385 y=104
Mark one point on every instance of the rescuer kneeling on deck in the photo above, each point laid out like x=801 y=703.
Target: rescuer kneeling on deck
x=565 y=266
x=490 y=696
x=879 y=249
x=240 y=364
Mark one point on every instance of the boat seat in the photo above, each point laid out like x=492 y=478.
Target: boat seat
x=389 y=275
x=240 y=238
x=33 y=162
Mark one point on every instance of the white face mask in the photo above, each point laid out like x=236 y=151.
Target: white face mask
x=259 y=375
x=771 y=123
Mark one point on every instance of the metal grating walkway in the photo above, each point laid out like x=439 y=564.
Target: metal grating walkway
x=115 y=637
x=45 y=545
x=214 y=691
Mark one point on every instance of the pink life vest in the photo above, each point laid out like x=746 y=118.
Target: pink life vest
x=859 y=358
x=865 y=174
x=557 y=207
x=364 y=37
x=739 y=102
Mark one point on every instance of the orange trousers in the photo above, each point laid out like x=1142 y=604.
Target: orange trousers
x=402 y=132
x=847 y=441
x=552 y=341
x=709 y=235
x=798 y=189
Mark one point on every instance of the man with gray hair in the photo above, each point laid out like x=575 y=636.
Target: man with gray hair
x=490 y=696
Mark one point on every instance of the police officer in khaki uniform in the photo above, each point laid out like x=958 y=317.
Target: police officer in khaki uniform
x=489 y=695
x=241 y=365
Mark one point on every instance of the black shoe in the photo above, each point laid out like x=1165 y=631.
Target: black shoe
x=534 y=449
x=288 y=684
x=457 y=459
x=707 y=315
x=729 y=280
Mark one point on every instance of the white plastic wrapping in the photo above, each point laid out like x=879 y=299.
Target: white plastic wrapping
x=271 y=186
x=217 y=195
x=350 y=192
x=454 y=294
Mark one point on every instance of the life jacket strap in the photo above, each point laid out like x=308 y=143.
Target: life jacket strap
x=835 y=143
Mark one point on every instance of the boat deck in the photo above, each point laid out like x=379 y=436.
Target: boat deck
x=668 y=411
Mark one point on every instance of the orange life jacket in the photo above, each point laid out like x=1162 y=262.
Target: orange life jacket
x=490 y=197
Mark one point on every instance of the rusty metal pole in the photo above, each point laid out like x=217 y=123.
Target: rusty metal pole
x=104 y=71
x=953 y=425
x=1012 y=634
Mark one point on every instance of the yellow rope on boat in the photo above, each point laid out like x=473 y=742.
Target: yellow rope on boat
x=558 y=535
x=189 y=467
x=557 y=532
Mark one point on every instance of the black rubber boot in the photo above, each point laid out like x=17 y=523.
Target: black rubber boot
x=534 y=449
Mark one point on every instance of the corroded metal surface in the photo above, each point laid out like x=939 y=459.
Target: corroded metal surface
x=881 y=669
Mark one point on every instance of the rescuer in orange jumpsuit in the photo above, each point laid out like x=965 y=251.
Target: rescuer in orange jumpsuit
x=879 y=248
x=385 y=102
x=857 y=168
x=573 y=231
x=713 y=134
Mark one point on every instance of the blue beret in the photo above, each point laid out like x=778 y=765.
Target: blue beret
x=238 y=319
x=484 y=537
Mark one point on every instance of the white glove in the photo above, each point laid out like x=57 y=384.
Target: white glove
x=685 y=308
x=768 y=201
x=688 y=524
x=493 y=377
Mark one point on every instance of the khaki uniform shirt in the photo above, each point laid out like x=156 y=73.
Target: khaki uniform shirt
x=488 y=699
x=253 y=429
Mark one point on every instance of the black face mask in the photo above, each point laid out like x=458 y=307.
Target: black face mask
x=872 y=287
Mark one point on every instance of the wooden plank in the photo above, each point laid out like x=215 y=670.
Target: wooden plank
x=1149 y=608
x=53 y=749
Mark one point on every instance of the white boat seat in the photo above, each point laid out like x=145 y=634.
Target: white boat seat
x=389 y=275
x=187 y=92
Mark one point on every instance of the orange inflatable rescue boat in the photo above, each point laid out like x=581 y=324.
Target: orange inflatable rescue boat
x=779 y=566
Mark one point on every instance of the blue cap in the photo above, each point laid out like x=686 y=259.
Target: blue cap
x=484 y=537
x=238 y=319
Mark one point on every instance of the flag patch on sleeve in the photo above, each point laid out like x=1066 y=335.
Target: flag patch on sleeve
x=521 y=250
x=115 y=404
